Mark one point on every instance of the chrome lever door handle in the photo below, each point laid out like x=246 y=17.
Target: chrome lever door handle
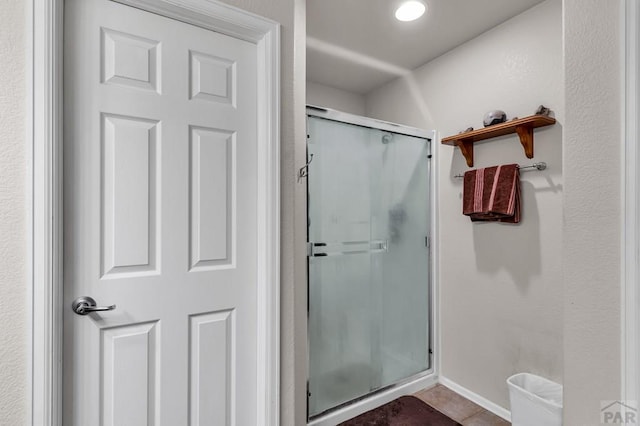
x=84 y=305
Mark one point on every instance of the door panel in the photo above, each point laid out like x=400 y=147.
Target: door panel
x=212 y=368
x=130 y=60
x=211 y=198
x=130 y=373
x=160 y=219
x=129 y=187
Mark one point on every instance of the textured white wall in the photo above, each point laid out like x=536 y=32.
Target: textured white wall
x=500 y=285
x=592 y=208
x=591 y=249
x=331 y=97
x=14 y=332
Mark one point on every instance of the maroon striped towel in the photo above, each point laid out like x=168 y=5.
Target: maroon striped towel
x=492 y=194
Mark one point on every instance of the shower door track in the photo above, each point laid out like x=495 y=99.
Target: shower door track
x=370 y=123
x=373 y=393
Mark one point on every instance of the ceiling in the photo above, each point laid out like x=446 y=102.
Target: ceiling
x=358 y=45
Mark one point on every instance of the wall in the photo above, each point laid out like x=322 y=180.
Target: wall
x=592 y=208
x=501 y=287
x=331 y=97
x=14 y=334
x=591 y=251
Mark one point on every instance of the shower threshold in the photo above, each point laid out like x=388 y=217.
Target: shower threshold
x=376 y=398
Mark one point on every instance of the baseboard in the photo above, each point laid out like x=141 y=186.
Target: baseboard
x=474 y=397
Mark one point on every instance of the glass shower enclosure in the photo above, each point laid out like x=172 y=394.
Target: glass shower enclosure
x=368 y=257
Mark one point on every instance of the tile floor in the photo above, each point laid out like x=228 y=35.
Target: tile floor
x=458 y=407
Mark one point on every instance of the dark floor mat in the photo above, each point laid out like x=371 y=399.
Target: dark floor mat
x=404 y=411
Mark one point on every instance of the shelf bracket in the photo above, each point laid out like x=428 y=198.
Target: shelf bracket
x=526 y=139
x=466 y=148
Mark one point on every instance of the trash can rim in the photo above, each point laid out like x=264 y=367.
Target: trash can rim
x=532 y=394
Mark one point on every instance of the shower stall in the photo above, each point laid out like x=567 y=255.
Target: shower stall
x=369 y=265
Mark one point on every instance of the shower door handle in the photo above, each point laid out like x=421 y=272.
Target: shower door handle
x=346 y=247
x=379 y=246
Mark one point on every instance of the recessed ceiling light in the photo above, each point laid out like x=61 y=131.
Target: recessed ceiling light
x=410 y=10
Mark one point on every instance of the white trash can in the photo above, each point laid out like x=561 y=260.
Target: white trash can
x=535 y=401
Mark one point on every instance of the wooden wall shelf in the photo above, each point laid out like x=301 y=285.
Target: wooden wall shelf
x=522 y=126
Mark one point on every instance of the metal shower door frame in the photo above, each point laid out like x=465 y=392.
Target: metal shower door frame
x=433 y=328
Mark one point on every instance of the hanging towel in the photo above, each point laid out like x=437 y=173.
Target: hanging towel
x=492 y=194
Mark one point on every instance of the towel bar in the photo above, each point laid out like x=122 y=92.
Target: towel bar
x=538 y=166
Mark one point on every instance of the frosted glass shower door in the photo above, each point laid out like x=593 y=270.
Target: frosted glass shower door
x=368 y=207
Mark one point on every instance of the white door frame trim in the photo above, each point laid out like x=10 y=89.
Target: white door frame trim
x=630 y=294
x=45 y=28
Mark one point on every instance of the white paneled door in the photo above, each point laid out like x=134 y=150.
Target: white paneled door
x=160 y=220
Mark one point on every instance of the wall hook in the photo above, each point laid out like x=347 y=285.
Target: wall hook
x=304 y=170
